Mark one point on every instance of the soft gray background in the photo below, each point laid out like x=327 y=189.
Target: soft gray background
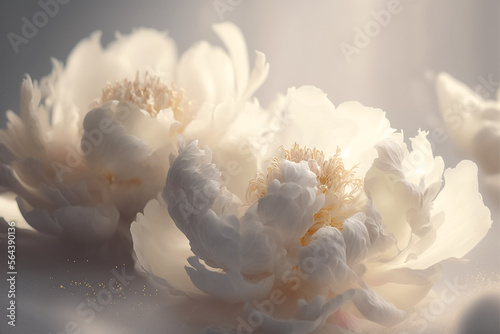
x=301 y=41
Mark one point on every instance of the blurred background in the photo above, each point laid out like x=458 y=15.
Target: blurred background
x=318 y=43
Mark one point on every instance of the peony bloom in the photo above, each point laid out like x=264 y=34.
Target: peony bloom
x=92 y=141
x=344 y=228
x=473 y=121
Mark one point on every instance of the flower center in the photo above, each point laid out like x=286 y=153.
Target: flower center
x=150 y=93
x=341 y=188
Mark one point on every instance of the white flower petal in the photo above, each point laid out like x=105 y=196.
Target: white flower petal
x=356 y=238
x=235 y=43
x=472 y=122
x=143 y=50
x=258 y=75
x=190 y=192
x=379 y=239
x=351 y=126
x=30 y=100
x=376 y=308
x=206 y=74
x=415 y=284
x=261 y=248
x=324 y=260
x=10 y=210
x=421 y=162
x=392 y=195
x=466 y=218
x=290 y=206
x=239 y=136
x=123 y=158
x=156 y=239
x=111 y=150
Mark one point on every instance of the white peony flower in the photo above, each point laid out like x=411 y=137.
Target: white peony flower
x=472 y=118
x=347 y=230
x=92 y=141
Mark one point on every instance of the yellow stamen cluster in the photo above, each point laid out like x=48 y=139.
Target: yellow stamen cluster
x=151 y=94
x=257 y=186
x=339 y=185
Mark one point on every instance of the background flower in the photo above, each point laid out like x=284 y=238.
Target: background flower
x=80 y=162
x=472 y=118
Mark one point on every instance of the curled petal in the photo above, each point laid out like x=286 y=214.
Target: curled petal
x=466 y=218
x=356 y=238
x=324 y=260
x=289 y=206
x=392 y=195
x=156 y=238
x=190 y=192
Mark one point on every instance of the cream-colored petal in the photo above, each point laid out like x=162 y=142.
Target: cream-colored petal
x=289 y=206
x=380 y=240
x=420 y=163
x=9 y=210
x=30 y=99
x=312 y=120
x=258 y=75
x=356 y=238
x=404 y=287
x=392 y=195
x=235 y=43
x=161 y=248
x=324 y=260
x=466 y=218
x=144 y=50
x=89 y=66
x=112 y=149
x=206 y=74
x=261 y=248
x=190 y=191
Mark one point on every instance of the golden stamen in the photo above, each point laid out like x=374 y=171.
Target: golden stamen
x=340 y=186
x=151 y=94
